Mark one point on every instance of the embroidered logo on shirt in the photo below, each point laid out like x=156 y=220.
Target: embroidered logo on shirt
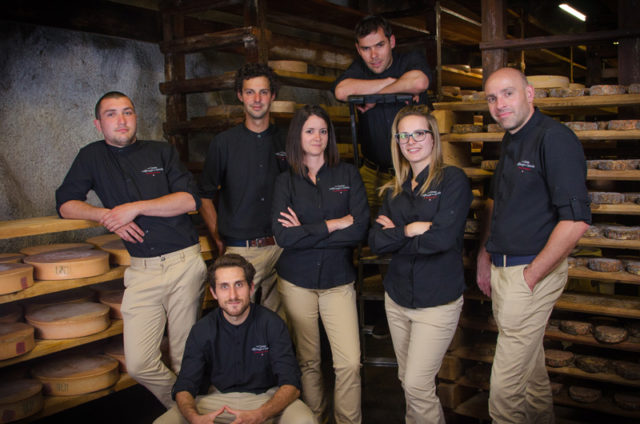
x=152 y=170
x=525 y=166
x=260 y=350
x=431 y=195
x=340 y=188
x=281 y=155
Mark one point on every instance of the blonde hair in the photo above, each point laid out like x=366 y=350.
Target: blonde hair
x=401 y=164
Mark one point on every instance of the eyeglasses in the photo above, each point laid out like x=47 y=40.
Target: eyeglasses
x=418 y=136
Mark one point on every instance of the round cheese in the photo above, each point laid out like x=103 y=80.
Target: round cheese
x=78 y=295
x=68 y=320
x=118 y=254
x=34 y=250
x=69 y=264
x=15 y=277
x=283 y=106
x=105 y=238
x=15 y=339
x=113 y=300
x=10 y=312
x=548 y=81
x=289 y=65
x=77 y=374
x=115 y=350
x=11 y=257
x=20 y=399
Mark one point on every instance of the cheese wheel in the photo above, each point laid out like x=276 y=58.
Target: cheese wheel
x=605 y=265
x=77 y=374
x=282 y=106
x=624 y=124
x=610 y=335
x=634 y=88
x=78 y=295
x=20 y=399
x=115 y=350
x=558 y=358
x=69 y=320
x=11 y=257
x=69 y=264
x=548 y=81
x=466 y=128
x=566 y=92
x=582 y=125
x=633 y=267
x=35 y=250
x=606 y=90
x=118 y=254
x=105 y=238
x=606 y=198
x=15 y=339
x=629 y=401
x=289 y=65
x=113 y=300
x=494 y=128
x=592 y=364
x=628 y=370
x=594 y=231
x=584 y=394
x=540 y=93
x=10 y=312
x=576 y=327
x=15 y=277
x=575 y=85
x=621 y=232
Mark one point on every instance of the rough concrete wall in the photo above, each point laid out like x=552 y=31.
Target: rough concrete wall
x=50 y=80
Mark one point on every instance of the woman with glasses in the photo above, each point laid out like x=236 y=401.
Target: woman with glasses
x=421 y=223
x=319 y=214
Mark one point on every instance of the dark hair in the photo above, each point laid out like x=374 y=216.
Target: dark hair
x=110 y=95
x=295 y=155
x=228 y=261
x=253 y=70
x=370 y=24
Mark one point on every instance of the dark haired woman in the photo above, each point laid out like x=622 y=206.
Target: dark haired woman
x=421 y=223
x=319 y=214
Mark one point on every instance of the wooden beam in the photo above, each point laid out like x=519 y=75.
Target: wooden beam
x=217 y=40
x=181 y=7
x=494 y=29
x=550 y=41
x=629 y=48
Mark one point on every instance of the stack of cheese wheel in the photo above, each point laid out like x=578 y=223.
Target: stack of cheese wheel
x=289 y=66
x=19 y=399
x=548 y=81
x=113 y=299
x=15 y=277
x=16 y=338
x=10 y=312
x=69 y=264
x=44 y=248
x=118 y=253
x=77 y=374
x=11 y=257
x=115 y=349
x=78 y=295
x=69 y=320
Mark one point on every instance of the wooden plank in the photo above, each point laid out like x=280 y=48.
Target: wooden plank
x=216 y=40
x=620 y=209
x=298 y=79
x=550 y=41
x=473 y=137
x=475 y=407
x=477 y=172
x=605 y=405
x=47 y=347
x=605 y=242
x=550 y=103
x=598 y=174
x=622 y=277
x=41 y=225
x=45 y=287
x=582 y=135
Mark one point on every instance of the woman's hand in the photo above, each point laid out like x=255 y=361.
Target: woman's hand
x=416 y=228
x=289 y=219
x=385 y=221
x=339 y=223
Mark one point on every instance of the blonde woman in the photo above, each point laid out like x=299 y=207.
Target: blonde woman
x=421 y=223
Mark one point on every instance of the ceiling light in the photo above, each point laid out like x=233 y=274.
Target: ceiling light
x=570 y=10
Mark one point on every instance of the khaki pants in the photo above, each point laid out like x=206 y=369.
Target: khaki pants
x=164 y=290
x=264 y=261
x=373 y=180
x=296 y=413
x=520 y=391
x=337 y=309
x=420 y=339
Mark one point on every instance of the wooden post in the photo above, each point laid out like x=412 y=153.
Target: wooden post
x=255 y=15
x=629 y=48
x=494 y=27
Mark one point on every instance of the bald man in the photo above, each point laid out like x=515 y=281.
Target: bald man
x=538 y=208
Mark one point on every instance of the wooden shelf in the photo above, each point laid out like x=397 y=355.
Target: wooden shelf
x=47 y=347
x=41 y=225
x=592 y=174
x=611 y=243
x=582 y=135
x=550 y=103
x=45 y=287
x=606 y=405
x=622 y=276
x=473 y=172
x=475 y=407
x=55 y=404
x=619 y=209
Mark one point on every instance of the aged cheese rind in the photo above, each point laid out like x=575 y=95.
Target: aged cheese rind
x=20 y=399
x=69 y=264
x=15 y=277
x=15 y=339
x=77 y=374
x=69 y=320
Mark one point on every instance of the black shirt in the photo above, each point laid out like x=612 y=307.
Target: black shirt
x=142 y=171
x=425 y=270
x=243 y=166
x=540 y=180
x=251 y=357
x=374 y=129
x=312 y=257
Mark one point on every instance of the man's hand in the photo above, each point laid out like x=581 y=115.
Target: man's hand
x=339 y=223
x=385 y=221
x=252 y=416
x=120 y=216
x=483 y=272
x=206 y=418
x=289 y=219
x=416 y=228
x=130 y=232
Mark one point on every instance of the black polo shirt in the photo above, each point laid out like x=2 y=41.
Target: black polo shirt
x=242 y=166
x=540 y=180
x=251 y=357
x=425 y=270
x=312 y=257
x=374 y=129
x=142 y=171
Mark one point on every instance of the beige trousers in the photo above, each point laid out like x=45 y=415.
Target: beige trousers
x=373 y=180
x=264 y=261
x=337 y=309
x=520 y=391
x=164 y=290
x=420 y=339
x=296 y=413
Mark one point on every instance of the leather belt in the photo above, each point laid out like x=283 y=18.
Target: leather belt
x=511 y=260
x=256 y=242
x=374 y=166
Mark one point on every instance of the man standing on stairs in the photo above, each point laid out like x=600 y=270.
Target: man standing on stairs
x=240 y=171
x=146 y=193
x=538 y=208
